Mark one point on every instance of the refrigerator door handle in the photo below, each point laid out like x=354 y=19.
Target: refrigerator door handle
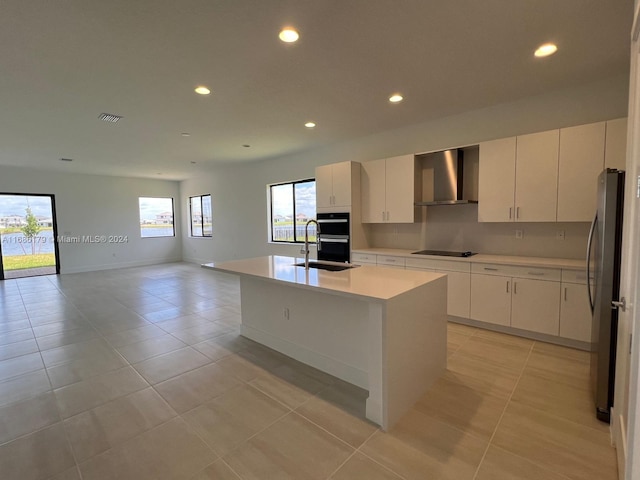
x=622 y=304
x=591 y=232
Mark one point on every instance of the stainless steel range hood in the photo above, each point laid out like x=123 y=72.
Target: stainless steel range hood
x=443 y=178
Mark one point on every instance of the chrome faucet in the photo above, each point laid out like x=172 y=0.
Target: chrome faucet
x=305 y=249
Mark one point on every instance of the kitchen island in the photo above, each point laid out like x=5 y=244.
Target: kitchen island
x=381 y=329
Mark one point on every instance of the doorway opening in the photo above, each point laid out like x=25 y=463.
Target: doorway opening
x=28 y=235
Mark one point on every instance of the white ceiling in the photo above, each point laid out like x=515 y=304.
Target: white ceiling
x=63 y=62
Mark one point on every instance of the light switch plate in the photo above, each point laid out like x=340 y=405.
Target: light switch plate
x=519 y=233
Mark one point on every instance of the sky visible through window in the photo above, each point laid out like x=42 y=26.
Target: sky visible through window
x=282 y=199
x=150 y=207
x=17 y=204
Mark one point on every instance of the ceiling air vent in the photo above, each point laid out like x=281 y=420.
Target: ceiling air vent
x=109 y=117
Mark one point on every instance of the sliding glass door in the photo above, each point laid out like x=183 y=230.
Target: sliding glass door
x=28 y=235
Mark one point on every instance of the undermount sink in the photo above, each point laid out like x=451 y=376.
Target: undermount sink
x=326 y=266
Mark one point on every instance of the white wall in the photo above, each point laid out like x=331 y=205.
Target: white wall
x=100 y=205
x=239 y=195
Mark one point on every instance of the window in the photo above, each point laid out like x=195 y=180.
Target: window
x=292 y=205
x=200 y=215
x=156 y=217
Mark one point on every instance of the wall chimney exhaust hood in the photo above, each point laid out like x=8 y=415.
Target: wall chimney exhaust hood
x=443 y=179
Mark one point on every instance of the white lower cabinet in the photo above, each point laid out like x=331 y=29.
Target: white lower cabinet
x=491 y=299
x=458 y=281
x=458 y=293
x=535 y=306
x=526 y=298
x=551 y=301
x=575 y=314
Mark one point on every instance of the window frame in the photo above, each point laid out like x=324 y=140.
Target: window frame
x=201 y=216
x=173 y=218
x=293 y=184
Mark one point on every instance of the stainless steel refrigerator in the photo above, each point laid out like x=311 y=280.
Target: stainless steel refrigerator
x=603 y=284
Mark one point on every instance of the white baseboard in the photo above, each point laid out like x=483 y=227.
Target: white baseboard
x=112 y=266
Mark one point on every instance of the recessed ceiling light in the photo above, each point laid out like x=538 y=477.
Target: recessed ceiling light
x=288 y=35
x=246 y=145
x=395 y=98
x=202 y=90
x=309 y=124
x=185 y=134
x=546 y=50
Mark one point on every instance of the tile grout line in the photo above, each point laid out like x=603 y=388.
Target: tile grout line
x=55 y=401
x=359 y=450
x=543 y=467
x=504 y=411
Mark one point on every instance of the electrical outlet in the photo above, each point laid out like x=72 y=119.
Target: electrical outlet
x=519 y=233
x=560 y=235
x=286 y=313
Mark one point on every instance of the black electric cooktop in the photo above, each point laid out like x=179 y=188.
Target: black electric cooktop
x=444 y=253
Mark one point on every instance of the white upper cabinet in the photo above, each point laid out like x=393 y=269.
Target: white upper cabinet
x=582 y=154
x=388 y=190
x=615 y=153
x=548 y=176
x=333 y=185
x=496 y=180
x=372 y=188
x=518 y=178
x=537 y=177
x=324 y=186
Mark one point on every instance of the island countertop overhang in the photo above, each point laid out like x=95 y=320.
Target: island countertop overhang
x=371 y=283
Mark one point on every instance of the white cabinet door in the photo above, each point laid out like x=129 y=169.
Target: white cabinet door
x=458 y=293
x=324 y=186
x=341 y=173
x=496 y=180
x=491 y=299
x=400 y=173
x=372 y=184
x=575 y=314
x=615 y=155
x=535 y=306
x=581 y=161
x=537 y=176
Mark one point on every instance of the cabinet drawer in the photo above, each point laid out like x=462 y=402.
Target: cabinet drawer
x=576 y=276
x=431 y=264
x=391 y=261
x=363 y=258
x=534 y=273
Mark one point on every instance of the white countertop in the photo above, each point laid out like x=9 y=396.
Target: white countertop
x=565 y=263
x=367 y=281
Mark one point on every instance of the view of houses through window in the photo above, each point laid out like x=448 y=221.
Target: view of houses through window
x=200 y=214
x=292 y=205
x=156 y=217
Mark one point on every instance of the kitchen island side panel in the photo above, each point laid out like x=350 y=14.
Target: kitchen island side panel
x=395 y=349
x=328 y=332
x=414 y=346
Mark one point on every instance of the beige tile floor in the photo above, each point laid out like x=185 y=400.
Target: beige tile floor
x=140 y=374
